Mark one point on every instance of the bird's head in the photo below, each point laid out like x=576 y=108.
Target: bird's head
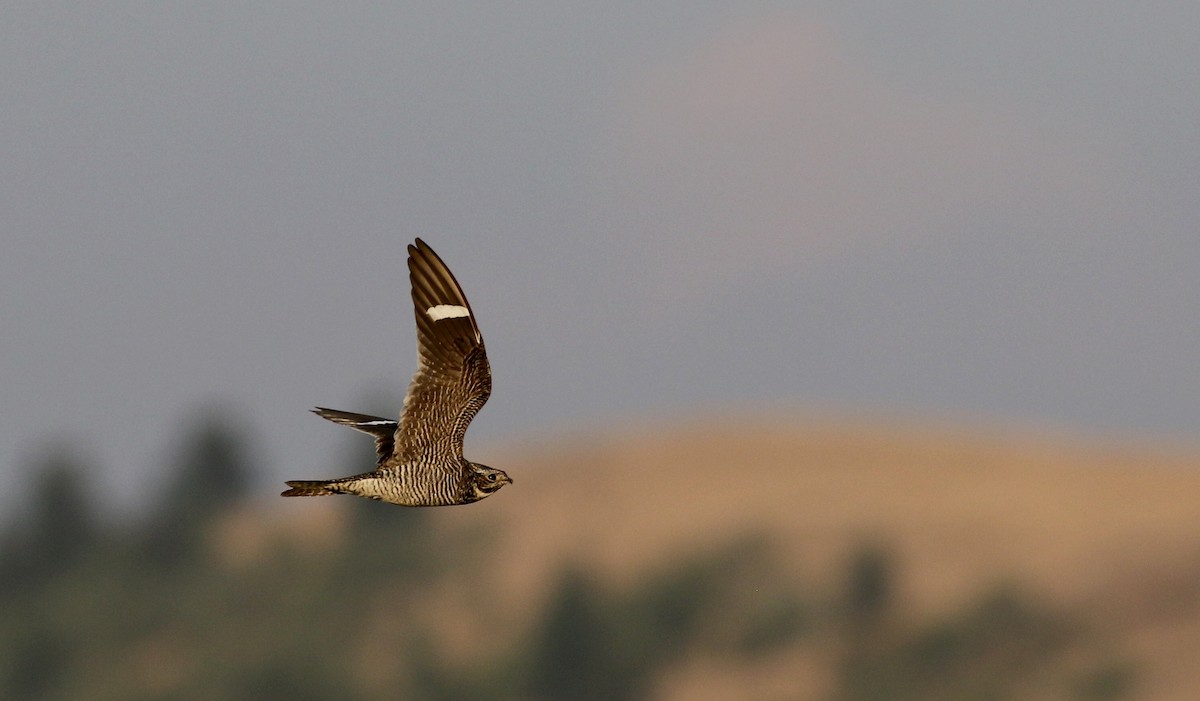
x=486 y=481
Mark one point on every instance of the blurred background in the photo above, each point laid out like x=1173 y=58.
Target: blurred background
x=842 y=351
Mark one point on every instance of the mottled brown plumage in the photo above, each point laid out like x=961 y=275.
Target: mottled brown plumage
x=420 y=457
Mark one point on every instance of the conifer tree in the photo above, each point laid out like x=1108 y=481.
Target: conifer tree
x=210 y=473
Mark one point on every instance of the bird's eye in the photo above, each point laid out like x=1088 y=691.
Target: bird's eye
x=491 y=478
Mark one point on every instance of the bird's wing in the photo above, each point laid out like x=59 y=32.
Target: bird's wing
x=384 y=430
x=454 y=378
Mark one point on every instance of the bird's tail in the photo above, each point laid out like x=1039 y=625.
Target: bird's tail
x=309 y=488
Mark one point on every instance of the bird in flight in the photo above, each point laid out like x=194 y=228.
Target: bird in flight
x=420 y=457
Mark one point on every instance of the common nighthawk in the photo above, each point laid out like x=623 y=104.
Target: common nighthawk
x=421 y=456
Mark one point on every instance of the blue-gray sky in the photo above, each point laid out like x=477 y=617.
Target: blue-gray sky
x=655 y=207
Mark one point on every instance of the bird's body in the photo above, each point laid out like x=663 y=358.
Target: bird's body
x=420 y=457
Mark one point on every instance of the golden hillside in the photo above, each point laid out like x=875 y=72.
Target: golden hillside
x=1113 y=526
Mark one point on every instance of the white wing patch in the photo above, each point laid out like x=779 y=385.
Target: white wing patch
x=446 y=311
x=376 y=423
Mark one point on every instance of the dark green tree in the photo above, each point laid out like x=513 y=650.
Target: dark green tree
x=209 y=473
x=869 y=585
x=576 y=655
x=39 y=663
x=61 y=528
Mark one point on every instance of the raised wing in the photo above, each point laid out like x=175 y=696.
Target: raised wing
x=454 y=379
x=384 y=430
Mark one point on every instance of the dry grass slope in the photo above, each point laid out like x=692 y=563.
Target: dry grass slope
x=1111 y=526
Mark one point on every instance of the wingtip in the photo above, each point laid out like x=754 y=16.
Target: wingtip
x=416 y=252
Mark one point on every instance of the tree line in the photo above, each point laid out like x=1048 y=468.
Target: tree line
x=143 y=607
